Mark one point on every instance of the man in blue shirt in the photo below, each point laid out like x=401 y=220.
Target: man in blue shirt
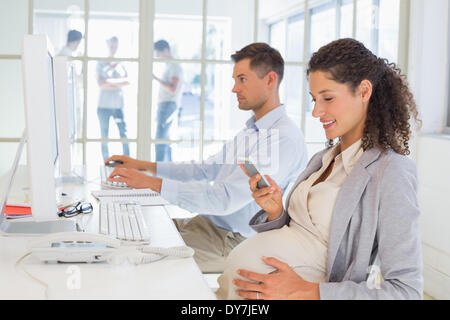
x=217 y=189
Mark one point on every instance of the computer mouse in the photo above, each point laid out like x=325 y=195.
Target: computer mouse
x=114 y=163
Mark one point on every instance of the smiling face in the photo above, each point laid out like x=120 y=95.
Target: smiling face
x=341 y=111
x=252 y=92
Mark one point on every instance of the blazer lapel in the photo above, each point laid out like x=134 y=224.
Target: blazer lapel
x=346 y=202
x=314 y=165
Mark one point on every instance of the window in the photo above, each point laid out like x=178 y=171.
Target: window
x=13 y=26
x=298 y=35
x=193 y=122
x=107 y=53
x=202 y=35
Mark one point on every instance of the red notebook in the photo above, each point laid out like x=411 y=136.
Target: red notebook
x=17 y=211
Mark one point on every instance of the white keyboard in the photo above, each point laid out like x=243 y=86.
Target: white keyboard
x=123 y=221
x=105 y=171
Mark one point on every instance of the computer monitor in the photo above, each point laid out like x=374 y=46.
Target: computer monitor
x=65 y=107
x=41 y=125
x=41 y=136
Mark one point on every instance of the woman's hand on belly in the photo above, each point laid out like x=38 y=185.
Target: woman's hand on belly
x=283 y=284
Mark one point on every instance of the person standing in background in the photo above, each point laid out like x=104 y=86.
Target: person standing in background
x=111 y=78
x=168 y=99
x=73 y=41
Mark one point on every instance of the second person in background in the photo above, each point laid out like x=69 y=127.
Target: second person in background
x=168 y=99
x=112 y=77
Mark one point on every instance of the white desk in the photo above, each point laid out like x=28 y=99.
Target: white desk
x=176 y=279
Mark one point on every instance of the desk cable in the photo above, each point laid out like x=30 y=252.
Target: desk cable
x=146 y=254
x=19 y=266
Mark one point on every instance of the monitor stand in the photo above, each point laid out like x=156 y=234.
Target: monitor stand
x=76 y=176
x=25 y=226
x=30 y=228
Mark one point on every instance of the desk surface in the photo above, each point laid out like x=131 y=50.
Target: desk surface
x=176 y=279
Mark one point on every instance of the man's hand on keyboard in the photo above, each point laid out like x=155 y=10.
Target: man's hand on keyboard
x=130 y=163
x=135 y=179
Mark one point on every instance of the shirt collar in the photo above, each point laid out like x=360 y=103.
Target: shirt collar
x=268 y=120
x=351 y=155
x=330 y=155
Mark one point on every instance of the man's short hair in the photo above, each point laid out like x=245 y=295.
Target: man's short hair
x=74 y=35
x=160 y=45
x=263 y=59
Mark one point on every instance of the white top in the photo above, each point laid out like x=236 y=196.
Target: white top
x=173 y=70
x=311 y=207
x=66 y=51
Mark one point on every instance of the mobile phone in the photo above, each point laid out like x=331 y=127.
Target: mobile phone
x=114 y=163
x=252 y=171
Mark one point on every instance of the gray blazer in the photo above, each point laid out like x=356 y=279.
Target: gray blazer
x=375 y=221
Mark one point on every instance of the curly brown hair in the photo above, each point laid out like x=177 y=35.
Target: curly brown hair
x=391 y=105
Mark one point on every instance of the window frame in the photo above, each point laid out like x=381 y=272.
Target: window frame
x=306 y=13
x=145 y=60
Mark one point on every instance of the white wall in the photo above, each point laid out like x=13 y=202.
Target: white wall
x=428 y=77
x=428 y=63
x=433 y=160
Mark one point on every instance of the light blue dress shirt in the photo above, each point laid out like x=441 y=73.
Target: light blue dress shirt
x=219 y=190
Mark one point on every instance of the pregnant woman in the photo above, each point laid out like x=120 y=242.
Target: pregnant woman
x=350 y=226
